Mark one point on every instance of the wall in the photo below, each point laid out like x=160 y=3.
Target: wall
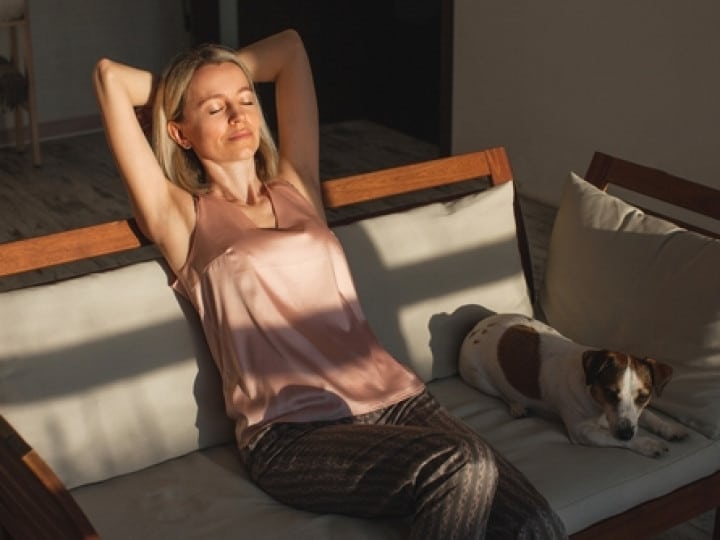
x=69 y=36
x=555 y=80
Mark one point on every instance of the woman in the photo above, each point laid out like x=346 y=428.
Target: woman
x=326 y=420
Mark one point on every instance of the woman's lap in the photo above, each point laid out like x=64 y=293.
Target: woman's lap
x=362 y=470
x=397 y=462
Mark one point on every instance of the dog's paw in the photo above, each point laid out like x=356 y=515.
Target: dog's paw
x=517 y=410
x=673 y=432
x=647 y=446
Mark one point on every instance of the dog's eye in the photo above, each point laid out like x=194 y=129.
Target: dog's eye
x=642 y=397
x=611 y=395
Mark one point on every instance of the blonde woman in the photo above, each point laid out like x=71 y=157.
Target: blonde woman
x=326 y=419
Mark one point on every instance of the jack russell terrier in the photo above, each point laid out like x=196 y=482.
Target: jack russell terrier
x=599 y=394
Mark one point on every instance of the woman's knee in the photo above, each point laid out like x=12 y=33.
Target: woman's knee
x=456 y=489
x=480 y=469
x=519 y=511
x=466 y=463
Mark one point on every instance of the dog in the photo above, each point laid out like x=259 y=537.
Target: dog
x=600 y=395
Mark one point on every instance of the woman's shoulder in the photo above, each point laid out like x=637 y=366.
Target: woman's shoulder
x=286 y=188
x=287 y=185
x=293 y=183
x=307 y=182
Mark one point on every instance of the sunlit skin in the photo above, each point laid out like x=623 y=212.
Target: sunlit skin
x=221 y=123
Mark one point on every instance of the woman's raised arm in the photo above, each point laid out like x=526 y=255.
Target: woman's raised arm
x=163 y=211
x=282 y=59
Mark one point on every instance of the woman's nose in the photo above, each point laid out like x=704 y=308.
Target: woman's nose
x=235 y=114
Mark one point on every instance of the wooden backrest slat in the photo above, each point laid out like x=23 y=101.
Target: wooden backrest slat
x=69 y=246
x=605 y=169
x=107 y=238
x=408 y=178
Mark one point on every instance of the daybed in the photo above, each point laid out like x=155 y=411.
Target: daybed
x=113 y=421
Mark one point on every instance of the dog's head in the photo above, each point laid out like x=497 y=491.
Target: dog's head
x=622 y=384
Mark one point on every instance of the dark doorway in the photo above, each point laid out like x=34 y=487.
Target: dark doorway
x=388 y=61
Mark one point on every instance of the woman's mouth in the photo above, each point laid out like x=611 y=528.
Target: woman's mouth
x=240 y=134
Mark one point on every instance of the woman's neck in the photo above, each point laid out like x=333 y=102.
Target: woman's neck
x=235 y=182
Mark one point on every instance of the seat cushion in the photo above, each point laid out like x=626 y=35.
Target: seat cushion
x=207 y=494
x=583 y=484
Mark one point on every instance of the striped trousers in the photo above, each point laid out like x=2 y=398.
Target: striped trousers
x=411 y=459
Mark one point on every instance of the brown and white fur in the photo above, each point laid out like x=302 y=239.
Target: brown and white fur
x=600 y=395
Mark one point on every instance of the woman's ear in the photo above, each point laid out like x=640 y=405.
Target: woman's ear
x=176 y=134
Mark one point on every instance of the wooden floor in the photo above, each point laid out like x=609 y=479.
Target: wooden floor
x=78 y=185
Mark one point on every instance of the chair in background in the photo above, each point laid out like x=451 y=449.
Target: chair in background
x=15 y=17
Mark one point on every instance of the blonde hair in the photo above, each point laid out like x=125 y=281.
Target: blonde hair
x=182 y=166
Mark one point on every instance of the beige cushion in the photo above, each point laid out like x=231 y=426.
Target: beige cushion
x=425 y=276
x=107 y=374
x=583 y=484
x=207 y=494
x=618 y=278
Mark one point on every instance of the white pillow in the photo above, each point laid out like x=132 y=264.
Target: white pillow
x=426 y=275
x=620 y=279
x=108 y=373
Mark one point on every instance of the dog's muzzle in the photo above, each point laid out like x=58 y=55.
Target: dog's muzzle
x=625 y=430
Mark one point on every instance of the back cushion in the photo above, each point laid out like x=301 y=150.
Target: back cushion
x=620 y=279
x=107 y=374
x=426 y=276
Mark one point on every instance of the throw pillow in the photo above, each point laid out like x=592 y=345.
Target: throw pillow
x=426 y=275
x=621 y=279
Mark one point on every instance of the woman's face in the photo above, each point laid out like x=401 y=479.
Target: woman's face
x=221 y=118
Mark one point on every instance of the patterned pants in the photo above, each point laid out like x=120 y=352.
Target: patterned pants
x=410 y=459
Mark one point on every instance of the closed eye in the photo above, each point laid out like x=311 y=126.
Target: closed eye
x=215 y=109
x=611 y=395
x=642 y=398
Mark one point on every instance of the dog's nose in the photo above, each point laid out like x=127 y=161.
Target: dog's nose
x=625 y=431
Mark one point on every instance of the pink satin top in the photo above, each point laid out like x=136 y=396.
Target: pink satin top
x=282 y=318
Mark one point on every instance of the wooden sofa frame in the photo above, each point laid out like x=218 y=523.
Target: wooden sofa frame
x=34 y=503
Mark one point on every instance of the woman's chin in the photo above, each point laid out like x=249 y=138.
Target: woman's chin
x=246 y=153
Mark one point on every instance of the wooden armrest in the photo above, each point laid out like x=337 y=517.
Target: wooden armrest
x=658 y=515
x=34 y=503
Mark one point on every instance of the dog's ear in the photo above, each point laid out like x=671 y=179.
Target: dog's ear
x=661 y=373
x=594 y=362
